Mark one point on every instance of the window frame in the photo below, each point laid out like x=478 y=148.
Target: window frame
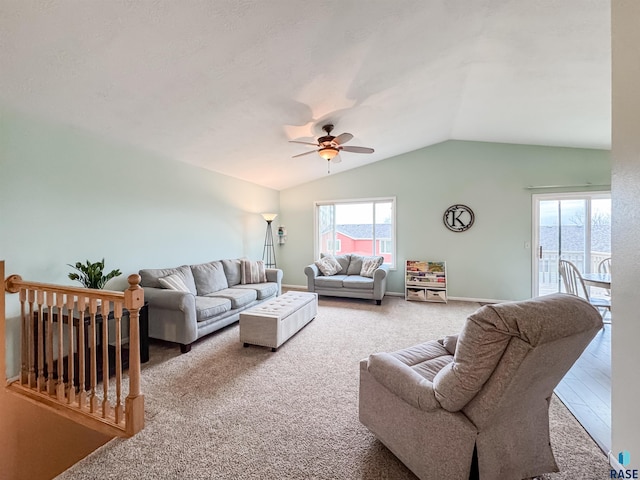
x=373 y=200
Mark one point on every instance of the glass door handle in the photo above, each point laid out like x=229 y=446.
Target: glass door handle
x=540 y=252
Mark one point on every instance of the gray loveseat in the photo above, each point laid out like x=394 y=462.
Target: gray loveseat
x=348 y=282
x=213 y=298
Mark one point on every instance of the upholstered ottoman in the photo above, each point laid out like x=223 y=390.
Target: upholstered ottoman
x=272 y=323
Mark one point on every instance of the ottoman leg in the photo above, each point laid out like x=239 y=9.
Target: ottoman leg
x=274 y=349
x=245 y=344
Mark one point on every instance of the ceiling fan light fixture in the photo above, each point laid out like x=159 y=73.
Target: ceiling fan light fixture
x=328 y=153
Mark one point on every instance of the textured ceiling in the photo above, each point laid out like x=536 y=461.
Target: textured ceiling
x=224 y=84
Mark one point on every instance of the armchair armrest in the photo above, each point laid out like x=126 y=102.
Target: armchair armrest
x=403 y=381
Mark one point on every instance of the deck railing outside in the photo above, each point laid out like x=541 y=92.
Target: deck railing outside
x=549 y=277
x=66 y=344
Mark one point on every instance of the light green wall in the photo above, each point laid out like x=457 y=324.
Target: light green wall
x=490 y=260
x=68 y=195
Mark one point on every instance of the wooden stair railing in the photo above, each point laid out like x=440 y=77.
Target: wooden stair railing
x=66 y=343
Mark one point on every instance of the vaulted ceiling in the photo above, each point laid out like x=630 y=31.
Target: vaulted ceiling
x=225 y=84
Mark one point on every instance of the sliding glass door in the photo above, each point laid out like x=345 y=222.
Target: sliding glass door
x=574 y=227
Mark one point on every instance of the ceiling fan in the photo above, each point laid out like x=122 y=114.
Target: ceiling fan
x=329 y=146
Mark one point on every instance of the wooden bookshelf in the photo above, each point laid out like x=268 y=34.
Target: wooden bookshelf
x=425 y=281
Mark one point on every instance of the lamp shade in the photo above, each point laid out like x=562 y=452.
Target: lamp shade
x=328 y=153
x=269 y=217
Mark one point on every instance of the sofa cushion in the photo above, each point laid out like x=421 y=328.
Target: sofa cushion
x=263 y=290
x=328 y=265
x=355 y=265
x=207 y=307
x=252 y=271
x=232 y=271
x=343 y=260
x=356 y=281
x=150 y=277
x=209 y=277
x=239 y=297
x=369 y=266
x=174 y=282
x=334 y=281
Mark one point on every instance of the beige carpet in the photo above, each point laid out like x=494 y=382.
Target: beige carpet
x=224 y=411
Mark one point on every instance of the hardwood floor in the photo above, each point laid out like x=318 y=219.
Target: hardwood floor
x=586 y=389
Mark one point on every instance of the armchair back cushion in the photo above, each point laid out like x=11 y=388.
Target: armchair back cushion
x=496 y=340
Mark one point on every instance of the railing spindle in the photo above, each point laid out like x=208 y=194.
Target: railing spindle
x=71 y=389
x=49 y=302
x=105 y=359
x=33 y=349
x=82 y=361
x=93 y=400
x=39 y=322
x=60 y=371
x=117 y=314
x=24 y=327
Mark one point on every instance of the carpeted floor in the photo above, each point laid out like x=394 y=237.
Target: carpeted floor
x=228 y=412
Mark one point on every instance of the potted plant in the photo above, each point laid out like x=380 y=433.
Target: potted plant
x=91 y=274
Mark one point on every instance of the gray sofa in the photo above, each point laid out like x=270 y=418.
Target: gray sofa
x=348 y=282
x=478 y=403
x=213 y=299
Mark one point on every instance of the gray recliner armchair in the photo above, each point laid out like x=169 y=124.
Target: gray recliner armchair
x=477 y=404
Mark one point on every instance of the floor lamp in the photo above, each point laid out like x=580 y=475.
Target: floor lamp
x=268 y=252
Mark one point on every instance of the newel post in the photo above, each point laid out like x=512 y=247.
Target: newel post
x=134 y=405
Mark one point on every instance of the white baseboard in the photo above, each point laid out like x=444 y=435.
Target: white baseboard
x=613 y=461
x=477 y=300
x=295 y=287
x=401 y=294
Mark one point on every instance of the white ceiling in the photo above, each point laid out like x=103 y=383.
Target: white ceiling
x=224 y=84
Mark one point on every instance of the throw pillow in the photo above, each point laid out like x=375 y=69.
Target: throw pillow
x=343 y=260
x=174 y=282
x=369 y=266
x=252 y=271
x=328 y=265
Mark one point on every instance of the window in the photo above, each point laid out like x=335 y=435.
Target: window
x=569 y=226
x=363 y=227
x=385 y=246
x=334 y=246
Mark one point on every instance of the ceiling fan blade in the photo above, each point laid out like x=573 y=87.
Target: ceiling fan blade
x=303 y=143
x=357 y=149
x=343 y=138
x=305 y=153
